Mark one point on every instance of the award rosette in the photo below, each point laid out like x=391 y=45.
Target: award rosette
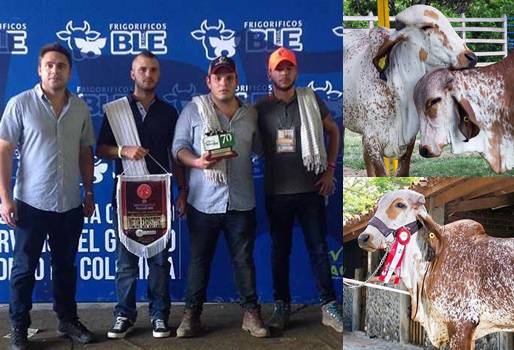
x=144 y=213
x=395 y=257
x=220 y=144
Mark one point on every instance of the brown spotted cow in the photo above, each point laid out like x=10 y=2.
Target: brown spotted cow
x=377 y=102
x=461 y=281
x=472 y=109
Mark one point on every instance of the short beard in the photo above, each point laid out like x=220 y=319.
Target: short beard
x=287 y=88
x=146 y=90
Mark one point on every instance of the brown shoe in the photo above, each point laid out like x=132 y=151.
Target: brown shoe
x=190 y=326
x=252 y=322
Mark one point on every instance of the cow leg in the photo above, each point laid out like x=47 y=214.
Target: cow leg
x=373 y=157
x=461 y=336
x=370 y=169
x=403 y=169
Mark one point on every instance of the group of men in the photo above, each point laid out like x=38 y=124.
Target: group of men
x=52 y=130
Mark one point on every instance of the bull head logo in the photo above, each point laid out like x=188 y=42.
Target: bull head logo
x=100 y=169
x=338 y=31
x=326 y=92
x=179 y=98
x=82 y=41
x=216 y=40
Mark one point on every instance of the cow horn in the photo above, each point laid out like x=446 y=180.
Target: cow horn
x=311 y=85
x=328 y=86
x=203 y=26
x=174 y=89
x=221 y=25
x=86 y=26
x=69 y=25
x=192 y=89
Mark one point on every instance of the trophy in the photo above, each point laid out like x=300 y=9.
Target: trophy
x=219 y=144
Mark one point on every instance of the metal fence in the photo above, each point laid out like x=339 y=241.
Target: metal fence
x=487 y=37
x=510 y=33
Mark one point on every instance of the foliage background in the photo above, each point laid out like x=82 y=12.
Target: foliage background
x=360 y=194
x=472 y=8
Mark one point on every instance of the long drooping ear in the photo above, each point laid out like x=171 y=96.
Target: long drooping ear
x=467 y=120
x=434 y=235
x=384 y=51
x=427 y=221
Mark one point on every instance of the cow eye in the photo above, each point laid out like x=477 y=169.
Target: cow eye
x=400 y=205
x=433 y=101
x=427 y=27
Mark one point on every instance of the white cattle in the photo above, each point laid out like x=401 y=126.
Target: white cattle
x=378 y=102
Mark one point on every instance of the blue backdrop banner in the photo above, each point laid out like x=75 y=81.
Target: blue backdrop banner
x=186 y=35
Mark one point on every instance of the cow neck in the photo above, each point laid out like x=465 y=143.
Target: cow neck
x=495 y=135
x=413 y=273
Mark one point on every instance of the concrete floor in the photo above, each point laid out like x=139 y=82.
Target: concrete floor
x=360 y=341
x=222 y=323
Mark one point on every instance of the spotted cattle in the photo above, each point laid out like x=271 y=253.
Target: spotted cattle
x=461 y=280
x=377 y=99
x=473 y=110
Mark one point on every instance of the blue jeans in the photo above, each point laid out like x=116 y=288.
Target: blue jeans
x=204 y=229
x=309 y=208
x=63 y=230
x=158 y=290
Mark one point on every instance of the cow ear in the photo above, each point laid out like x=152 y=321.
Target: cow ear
x=467 y=119
x=433 y=238
x=428 y=222
x=383 y=53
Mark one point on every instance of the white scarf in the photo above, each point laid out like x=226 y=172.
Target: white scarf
x=314 y=154
x=218 y=173
x=121 y=120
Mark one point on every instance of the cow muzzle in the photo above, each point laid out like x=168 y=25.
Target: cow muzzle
x=426 y=152
x=466 y=59
x=365 y=241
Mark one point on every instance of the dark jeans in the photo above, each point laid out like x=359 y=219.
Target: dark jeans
x=204 y=229
x=158 y=290
x=63 y=230
x=309 y=208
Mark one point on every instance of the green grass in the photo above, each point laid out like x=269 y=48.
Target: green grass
x=446 y=165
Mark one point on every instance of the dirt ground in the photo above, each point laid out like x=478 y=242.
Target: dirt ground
x=353 y=172
x=221 y=321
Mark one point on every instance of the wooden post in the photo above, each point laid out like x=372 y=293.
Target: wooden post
x=373 y=261
x=506 y=341
x=404 y=317
x=357 y=303
x=371 y=25
x=437 y=213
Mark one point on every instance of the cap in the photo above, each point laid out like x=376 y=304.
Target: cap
x=279 y=55
x=222 y=62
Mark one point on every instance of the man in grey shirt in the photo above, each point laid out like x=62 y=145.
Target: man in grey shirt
x=53 y=133
x=221 y=194
x=297 y=177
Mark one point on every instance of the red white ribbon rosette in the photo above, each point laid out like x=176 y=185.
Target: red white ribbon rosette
x=395 y=257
